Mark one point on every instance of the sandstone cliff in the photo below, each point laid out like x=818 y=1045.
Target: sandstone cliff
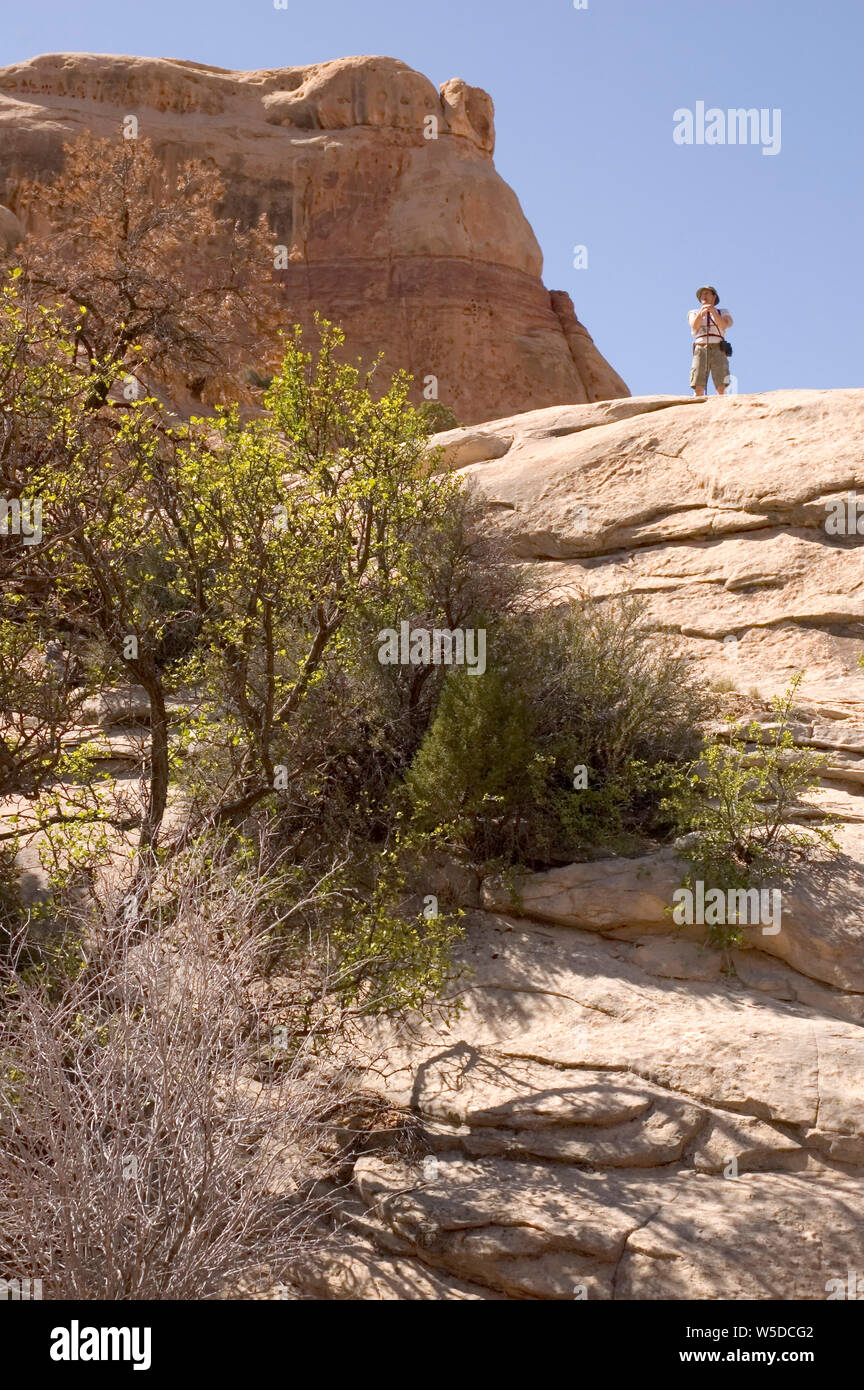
x=414 y=244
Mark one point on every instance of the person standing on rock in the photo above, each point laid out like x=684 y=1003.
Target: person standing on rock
x=708 y=326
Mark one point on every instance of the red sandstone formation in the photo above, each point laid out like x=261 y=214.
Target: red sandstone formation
x=413 y=243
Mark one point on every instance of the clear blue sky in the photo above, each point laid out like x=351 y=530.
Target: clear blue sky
x=585 y=102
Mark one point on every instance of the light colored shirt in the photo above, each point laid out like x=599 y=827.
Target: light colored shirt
x=706 y=330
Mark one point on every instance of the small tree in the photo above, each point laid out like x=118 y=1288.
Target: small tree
x=307 y=532
x=479 y=776
x=155 y=285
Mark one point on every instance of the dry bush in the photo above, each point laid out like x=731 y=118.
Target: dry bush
x=139 y=1157
x=150 y=275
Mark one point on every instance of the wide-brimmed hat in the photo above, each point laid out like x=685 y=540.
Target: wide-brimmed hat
x=713 y=291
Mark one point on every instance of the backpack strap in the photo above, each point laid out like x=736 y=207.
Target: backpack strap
x=722 y=334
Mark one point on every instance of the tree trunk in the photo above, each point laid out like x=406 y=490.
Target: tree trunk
x=150 y=827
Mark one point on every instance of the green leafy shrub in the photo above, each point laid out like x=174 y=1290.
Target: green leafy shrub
x=737 y=805
x=564 y=744
x=391 y=958
x=437 y=417
x=478 y=777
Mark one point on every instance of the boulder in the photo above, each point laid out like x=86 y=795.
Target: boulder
x=11 y=230
x=534 y=1232
x=821 y=922
x=122 y=704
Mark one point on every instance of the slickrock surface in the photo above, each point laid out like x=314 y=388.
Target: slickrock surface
x=619 y=1112
x=715 y=512
x=415 y=245
x=603 y=1122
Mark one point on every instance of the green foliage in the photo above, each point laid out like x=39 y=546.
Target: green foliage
x=13 y=914
x=563 y=745
x=39 y=702
x=737 y=804
x=305 y=527
x=437 y=417
x=245 y=566
x=391 y=958
x=478 y=774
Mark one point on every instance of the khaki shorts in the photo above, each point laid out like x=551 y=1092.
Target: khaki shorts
x=709 y=357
